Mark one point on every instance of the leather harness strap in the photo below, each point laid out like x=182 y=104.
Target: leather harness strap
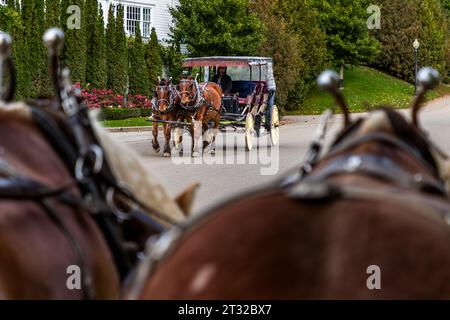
x=379 y=167
x=432 y=207
x=385 y=138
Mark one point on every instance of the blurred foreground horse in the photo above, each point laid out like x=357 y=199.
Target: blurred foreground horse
x=368 y=219
x=73 y=202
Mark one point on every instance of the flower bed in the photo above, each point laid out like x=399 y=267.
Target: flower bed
x=111 y=104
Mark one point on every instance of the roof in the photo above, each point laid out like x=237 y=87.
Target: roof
x=225 y=61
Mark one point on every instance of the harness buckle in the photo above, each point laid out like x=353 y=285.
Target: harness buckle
x=82 y=171
x=111 y=200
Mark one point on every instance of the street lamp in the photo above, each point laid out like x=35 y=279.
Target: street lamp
x=416 y=46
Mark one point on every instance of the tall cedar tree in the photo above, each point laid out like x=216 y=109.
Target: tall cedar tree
x=11 y=22
x=52 y=13
x=110 y=41
x=101 y=74
x=138 y=75
x=95 y=46
x=34 y=78
x=75 y=44
x=153 y=59
x=120 y=66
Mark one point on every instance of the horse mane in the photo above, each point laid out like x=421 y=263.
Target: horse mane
x=128 y=167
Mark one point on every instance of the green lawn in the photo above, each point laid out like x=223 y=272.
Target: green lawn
x=131 y=122
x=365 y=89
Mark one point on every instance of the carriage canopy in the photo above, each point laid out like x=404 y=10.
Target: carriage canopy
x=226 y=61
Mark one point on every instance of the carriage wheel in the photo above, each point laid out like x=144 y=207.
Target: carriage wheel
x=275 y=127
x=249 y=131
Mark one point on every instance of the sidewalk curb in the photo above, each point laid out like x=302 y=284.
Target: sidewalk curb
x=129 y=129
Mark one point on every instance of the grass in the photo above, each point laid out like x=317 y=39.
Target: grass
x=366 y=88
x=131 y=122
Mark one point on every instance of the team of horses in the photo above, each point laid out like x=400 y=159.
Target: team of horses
x=193 y=103
x=71 y=197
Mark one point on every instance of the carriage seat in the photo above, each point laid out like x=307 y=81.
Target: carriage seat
x=244 y=89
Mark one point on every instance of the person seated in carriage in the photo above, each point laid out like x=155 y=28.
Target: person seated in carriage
x=223 y=80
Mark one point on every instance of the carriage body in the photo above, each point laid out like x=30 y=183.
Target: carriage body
x=247 y=101
x=247 y=73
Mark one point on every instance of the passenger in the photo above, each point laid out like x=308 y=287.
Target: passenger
x=272 y=90
x=223 y=80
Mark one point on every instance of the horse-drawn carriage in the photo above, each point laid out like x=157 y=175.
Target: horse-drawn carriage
x=246 y=103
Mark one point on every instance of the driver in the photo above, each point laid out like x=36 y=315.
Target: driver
x=223 y=80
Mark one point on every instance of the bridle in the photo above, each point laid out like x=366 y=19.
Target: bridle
x=109 y=202
x=196 y=100
x=171 y=91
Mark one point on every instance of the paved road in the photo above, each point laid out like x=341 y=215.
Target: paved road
x=239 y=173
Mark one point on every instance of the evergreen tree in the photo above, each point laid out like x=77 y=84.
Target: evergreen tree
x=345 y=25
x=153 y=59
x=120 y=70
x=402 y=23
x=297 y=46
x=52 y=13
x=100 y=81
x=226 y=27
x=11 y=4
x=138 y=75
x=11 y=23
x=110 y=41
x=172 y=61
x=74 y=26
x=95 y=46
x=33 y=78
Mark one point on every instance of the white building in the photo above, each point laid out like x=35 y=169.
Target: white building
x=148 y=13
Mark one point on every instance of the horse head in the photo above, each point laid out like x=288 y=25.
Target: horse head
x=164 y=96
x=187 y=90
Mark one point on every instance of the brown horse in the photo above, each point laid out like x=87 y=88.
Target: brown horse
x=69 y=227
x=200 y=104
x=165 y=107
x=368 y=220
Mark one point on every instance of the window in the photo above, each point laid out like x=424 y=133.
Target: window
x=133 y=17
x=146 y=22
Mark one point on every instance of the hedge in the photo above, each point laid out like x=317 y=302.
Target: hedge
x=124 y=113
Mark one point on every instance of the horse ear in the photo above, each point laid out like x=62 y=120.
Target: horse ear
x=329 y=81
x=428 y=79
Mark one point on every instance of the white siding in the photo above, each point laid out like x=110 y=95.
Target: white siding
x=161 y=19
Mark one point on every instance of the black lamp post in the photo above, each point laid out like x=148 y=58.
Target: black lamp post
x=416 y=46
